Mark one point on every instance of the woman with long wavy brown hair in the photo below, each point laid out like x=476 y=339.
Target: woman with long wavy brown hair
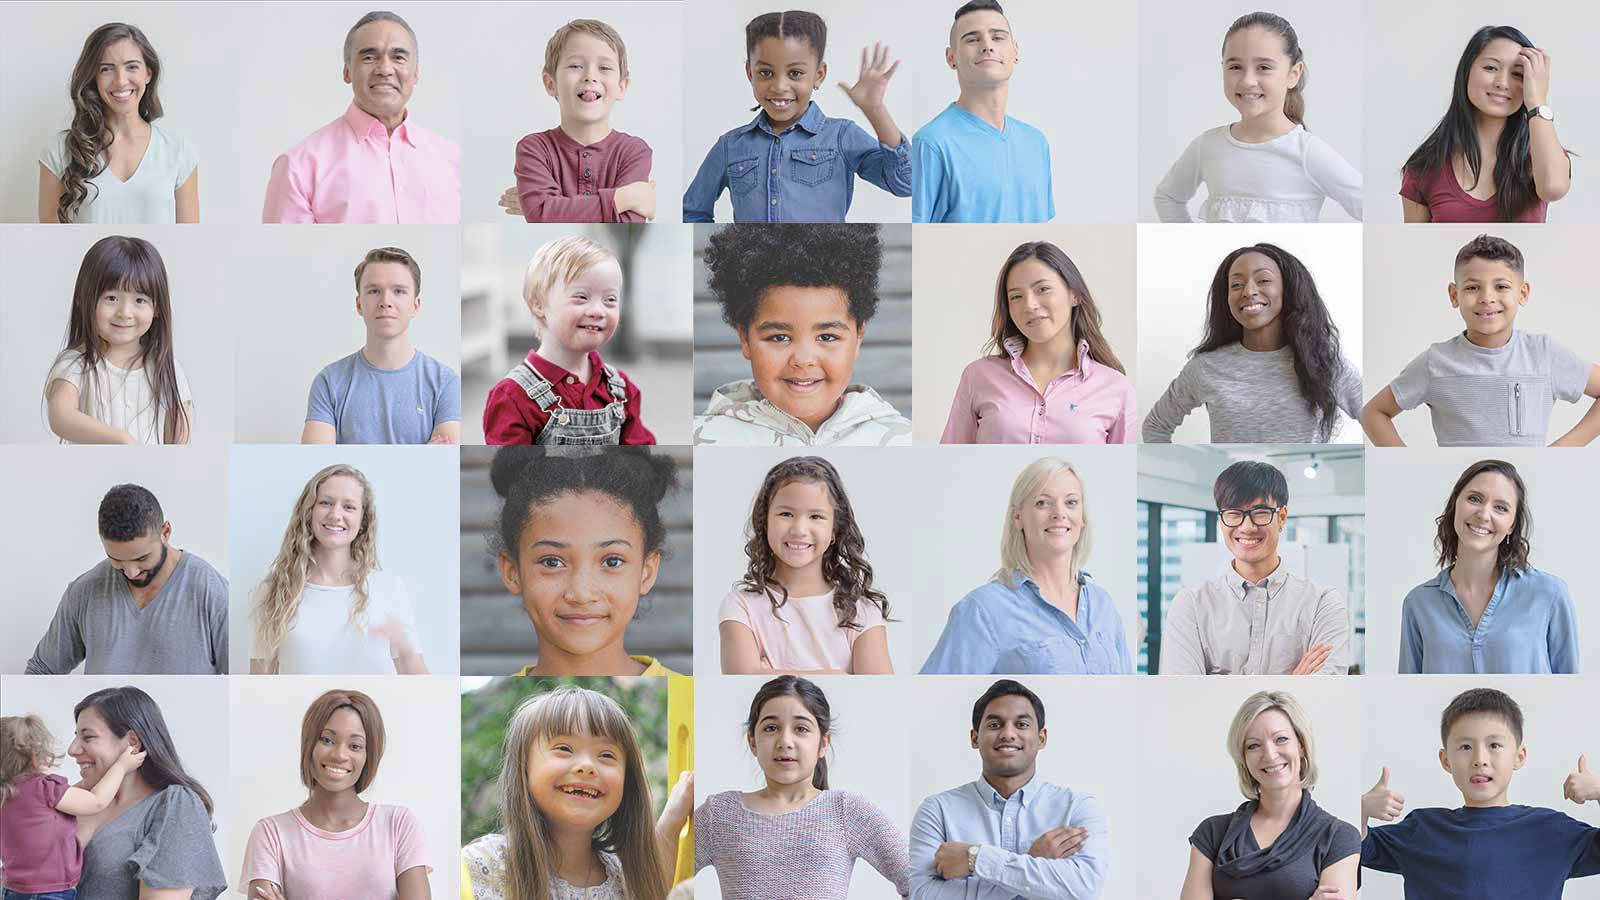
x=325 y=607
x=114 y=164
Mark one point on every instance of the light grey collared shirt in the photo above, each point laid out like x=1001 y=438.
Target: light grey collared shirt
x=1229 y=626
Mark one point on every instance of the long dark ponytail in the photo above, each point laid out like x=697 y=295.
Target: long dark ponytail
x=816 y=703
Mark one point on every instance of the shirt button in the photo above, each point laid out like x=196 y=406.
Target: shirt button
x=586 y=173
x=585 y=154
x=774 y=171
x=774 y=201
x=813 y=156
x=572 y=379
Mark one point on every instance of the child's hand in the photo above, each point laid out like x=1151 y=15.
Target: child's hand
x=680 y=801
x=511 y=203
x=395 y=632
x=1582 y=785
x=130 y=759
x=1312 y=662
x=1535 y=76
x=1381 y=803
x=872 y=85
x=639 y=197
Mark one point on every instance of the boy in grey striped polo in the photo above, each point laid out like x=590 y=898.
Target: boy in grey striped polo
x=1491 y=385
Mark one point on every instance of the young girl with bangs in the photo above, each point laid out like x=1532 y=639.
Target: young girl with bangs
x=1269 y=368
x=1494 y=156
x=118 y=381
x=324 y=606
x=1266 y=167
x=795 y=826
x=806 y=603
x=1050 y=377
x=576 y=809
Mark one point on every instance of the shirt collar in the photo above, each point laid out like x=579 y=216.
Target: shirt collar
x=1025 y=794
x=363 y=125
x=567 y=141
x=1015 y=344
x=1237 y=584
x=811 y=120
x=554 y=374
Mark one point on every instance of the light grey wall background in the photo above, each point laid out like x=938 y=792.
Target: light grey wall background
x=1076 y=80
x=1083 y=727
x=415 y=493
x=1180 y=95
x=199 y=90
x=887 y=487
x=870 y=749
x=972 y=505
x=1409 y=271
x=297 y=312
x=291 y=61
x=420 y=768
x=885 y=360
x=496 y=636
x=188 y=704
x=954 y=272
x=653 y=341
x=1176 y=263
x=1411 y=66
x=1410 y=488
x=508 y=99
x=1187 y=742
x=57 y=538
x=717 y=97
x=40 y=266
x=1401 y=730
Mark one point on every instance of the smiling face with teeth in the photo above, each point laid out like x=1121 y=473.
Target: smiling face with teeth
x=802 y=344
x=576 y=780
x=1256 y=73
x=96 y=746
x=1488 y=293
x=1481 y=754
x=783 y=73
x=336 y=517
x=588 y=80
x=1255 y=547
x=339 y=755
x=583 y=313
x=1052 y=520
x=787 y=741
x=1494 y=83
x=1273 y=753
x=1255 y=296
x=1486 y=511
x=800 y=526
x=382 y=70
x=122 y=77
x=1008 y=738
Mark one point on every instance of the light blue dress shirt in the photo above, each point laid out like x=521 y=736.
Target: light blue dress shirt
x=805 y=174
x=1014 y=631
x=1528 y=628
x=969 y=171
x=1004 y=828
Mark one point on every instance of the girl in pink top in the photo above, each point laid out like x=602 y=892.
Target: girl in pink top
x=336 y=844
x=1050 y=376
x=1494 y=157
x=39 y=852
x=806 y=602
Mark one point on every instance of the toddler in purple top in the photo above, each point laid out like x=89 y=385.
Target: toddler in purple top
x=39 y=849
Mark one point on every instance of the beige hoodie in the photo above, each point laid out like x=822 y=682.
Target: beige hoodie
x=738 y=415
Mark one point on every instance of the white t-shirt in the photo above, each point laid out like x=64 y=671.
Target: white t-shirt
x=323 y=641
x=148 y=197
x=117 y=397
x=1281 y=180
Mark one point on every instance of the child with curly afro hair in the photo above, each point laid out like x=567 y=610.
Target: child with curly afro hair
x=799 y=297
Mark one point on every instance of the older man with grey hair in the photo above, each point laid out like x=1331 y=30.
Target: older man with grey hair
x=373 y=164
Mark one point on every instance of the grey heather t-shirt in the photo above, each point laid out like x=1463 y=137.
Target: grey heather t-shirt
x=1495 y=397
x=1252 y=397
x=183 y=631
x=163 y=840
x=369 y=405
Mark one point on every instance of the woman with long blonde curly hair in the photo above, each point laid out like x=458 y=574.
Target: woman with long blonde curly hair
x=325 y=606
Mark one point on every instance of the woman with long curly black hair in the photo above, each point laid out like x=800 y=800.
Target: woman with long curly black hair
x=1269 y=368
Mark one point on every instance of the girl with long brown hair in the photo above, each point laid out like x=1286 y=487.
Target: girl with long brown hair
x=114 y=164
x=1049 y=376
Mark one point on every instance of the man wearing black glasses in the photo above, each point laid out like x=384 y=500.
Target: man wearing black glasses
x=1256 y=617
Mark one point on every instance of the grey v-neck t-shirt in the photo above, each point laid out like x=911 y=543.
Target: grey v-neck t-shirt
x=182 y=631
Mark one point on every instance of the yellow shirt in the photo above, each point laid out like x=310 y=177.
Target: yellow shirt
x=651 y=667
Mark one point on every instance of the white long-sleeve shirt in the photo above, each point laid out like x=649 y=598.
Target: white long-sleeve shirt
x=1281 y=180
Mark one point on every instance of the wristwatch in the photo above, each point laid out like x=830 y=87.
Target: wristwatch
x=1543 y=112
x=972 y=860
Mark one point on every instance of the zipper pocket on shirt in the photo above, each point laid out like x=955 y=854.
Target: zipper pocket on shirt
x=1518 y=414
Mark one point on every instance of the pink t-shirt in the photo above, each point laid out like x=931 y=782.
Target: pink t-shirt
x=1447 y=202
x=38 y=845
x=306 y=861
x=998 y=402
x=808 y=636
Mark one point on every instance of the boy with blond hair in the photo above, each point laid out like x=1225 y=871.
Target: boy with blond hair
x=563 y=392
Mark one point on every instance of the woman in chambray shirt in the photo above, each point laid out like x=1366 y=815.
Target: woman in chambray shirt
x=1040 y=613
x=1488 y=611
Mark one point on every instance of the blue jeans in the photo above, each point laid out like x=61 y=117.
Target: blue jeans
x=68 y=894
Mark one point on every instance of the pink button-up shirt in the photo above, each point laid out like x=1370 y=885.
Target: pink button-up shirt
x=998 y=402
x=353 y=171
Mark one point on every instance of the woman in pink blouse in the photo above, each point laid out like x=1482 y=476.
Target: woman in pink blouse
x=1050 y=376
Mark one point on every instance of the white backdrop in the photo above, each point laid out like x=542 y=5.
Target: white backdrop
x=303 y=317
x=509 y=100
x=57 y=538
x=420 y=769
x=869 y=748
x=1176 y=263
x=41 y=264
x=1401 y=726
x=971 y=505
x=1084 y=730
x=885 y=493
x=417 y=493
x=199 y=91
x=1412 y=55
x=1409 y=271
x=953 y=274
x=1183 y=736
x=1180 y=88
x=1409 y=490
x=189 y=704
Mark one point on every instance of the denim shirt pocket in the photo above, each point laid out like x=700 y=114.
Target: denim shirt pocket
x=742 y=176
x=1530 y=400
x=812 y=167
